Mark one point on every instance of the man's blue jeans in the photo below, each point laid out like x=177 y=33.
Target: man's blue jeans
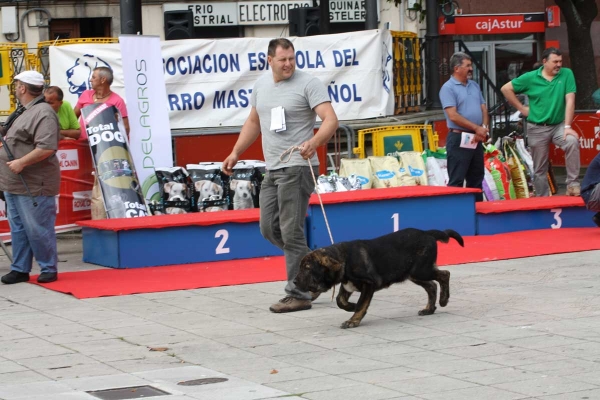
x=32 y=232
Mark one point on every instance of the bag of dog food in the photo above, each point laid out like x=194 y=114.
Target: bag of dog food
x=436 y=164
x=495 y=163
x=325 y=184
x=384 y=171
x=242 y=187
x=524 y=155
x=403 y=175
x=517 y=172
x=413 y=162
x=209 y=186
x=360 y=168
x=351 y=183
x=343 y=184
x=156 y=208
x=489 y=187
x=260 y=169
x=174 y=189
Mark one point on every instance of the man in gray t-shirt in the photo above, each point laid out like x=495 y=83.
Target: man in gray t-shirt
x=285 y=104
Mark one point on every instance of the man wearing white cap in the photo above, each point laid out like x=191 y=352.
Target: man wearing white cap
x=32 y=135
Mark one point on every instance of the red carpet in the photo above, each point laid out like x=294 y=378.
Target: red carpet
x=112 y=282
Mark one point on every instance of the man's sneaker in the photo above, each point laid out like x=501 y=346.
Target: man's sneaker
x=314 y=295
x=574 y=190
x=596 y=219
x=15 y=277
x=47 y=277
x=290 y=304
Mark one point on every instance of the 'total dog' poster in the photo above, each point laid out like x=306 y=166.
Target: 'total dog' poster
x=114 y=167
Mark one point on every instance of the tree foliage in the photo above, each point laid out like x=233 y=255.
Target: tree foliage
x=579 y=15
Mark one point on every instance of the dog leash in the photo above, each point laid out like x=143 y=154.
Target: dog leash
x=282 y=158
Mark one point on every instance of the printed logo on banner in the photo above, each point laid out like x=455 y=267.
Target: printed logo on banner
x=80 y=73
x=68 y=159
x=110 y=152
x=385 y=60
x=82 y=200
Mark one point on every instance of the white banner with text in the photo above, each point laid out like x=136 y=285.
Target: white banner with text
x=146 y=98
x=209 y=82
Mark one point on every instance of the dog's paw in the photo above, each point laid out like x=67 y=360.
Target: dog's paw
x=427 y=311
x=443 y=302
x=349 y=324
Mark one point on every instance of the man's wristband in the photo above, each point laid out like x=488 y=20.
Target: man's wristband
x=567 y=126
x=484 y=125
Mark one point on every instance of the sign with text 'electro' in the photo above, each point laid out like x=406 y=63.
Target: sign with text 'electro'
x=266 y=12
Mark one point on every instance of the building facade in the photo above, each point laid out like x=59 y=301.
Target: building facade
x=506 y=37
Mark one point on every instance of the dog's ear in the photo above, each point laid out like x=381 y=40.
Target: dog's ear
x=233 y=184
x=168 y=187
x=328 y=261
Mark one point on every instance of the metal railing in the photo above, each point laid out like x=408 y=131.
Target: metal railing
x=408 y=72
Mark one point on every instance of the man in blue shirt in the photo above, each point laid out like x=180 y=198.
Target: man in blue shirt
x=467 y=119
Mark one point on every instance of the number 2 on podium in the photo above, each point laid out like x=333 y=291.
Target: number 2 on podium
x=396 y=219
x=221 y=249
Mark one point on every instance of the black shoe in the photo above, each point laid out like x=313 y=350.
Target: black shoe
x=47 y=277
x=15 y=277
x=596 y=219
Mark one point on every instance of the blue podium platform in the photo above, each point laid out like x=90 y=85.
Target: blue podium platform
x=553 y=212
x=175 y=239
x=365 y=214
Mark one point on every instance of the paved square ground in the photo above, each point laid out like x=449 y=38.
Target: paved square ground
x=519 y=329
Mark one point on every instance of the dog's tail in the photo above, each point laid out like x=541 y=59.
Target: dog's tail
x=444 y=236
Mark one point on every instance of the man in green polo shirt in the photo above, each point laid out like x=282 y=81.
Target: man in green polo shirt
x=551 y=91
x=69 y=125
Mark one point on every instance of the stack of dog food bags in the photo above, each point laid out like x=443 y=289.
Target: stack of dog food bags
x=496 y=164
x=244 y=186
x=175 y=191
x=335 y=183
x=209 y=186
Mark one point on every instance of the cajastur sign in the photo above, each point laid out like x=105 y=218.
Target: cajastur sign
x=488 y=24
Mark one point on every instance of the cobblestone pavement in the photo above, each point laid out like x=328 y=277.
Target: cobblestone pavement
x=519 y=329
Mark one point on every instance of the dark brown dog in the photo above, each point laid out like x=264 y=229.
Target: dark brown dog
x=367 y=266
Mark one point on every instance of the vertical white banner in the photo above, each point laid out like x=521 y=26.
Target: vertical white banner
x=146 y=98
